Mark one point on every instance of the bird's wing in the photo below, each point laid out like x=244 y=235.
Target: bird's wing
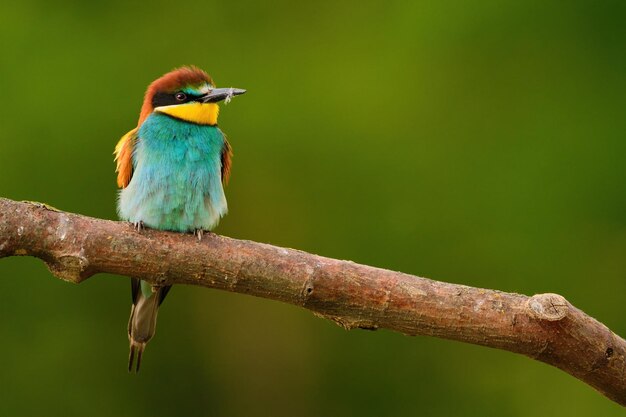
x=227 y=154
x=124 y=158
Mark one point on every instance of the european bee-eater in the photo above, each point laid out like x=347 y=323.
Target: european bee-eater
x=172 y=169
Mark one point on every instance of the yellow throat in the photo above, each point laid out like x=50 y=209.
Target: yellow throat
x=200 y=113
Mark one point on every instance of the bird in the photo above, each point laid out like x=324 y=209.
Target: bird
x=172 y=169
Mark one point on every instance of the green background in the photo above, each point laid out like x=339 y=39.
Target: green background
x=477 y=142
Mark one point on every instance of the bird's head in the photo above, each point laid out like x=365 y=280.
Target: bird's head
x=188 y=94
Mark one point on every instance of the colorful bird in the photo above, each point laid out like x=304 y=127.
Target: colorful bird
x=172 y=169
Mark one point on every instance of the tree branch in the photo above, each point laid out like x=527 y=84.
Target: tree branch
x=545 y=327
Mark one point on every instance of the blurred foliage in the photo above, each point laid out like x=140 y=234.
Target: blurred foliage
x=475 y=142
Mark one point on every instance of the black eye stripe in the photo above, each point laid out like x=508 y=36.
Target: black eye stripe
x=168 y=99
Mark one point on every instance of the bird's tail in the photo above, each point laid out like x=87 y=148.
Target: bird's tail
x=143 y=317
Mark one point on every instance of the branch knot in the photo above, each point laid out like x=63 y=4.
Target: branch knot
x=71 y=268
x=551 y=307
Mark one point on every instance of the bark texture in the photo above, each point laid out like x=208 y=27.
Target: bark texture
x=545 y=327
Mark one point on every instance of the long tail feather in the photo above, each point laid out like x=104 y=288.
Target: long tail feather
x=131 y=357
x=136 y=352
x=142 y=321
x=139 y=354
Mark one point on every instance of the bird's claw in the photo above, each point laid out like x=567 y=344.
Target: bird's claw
x=199 y=234
x=139 y=226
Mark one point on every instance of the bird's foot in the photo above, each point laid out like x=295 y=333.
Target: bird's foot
x=199 y=233
x=139 y=226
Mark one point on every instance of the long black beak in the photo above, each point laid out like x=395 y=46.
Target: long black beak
x=219 y=94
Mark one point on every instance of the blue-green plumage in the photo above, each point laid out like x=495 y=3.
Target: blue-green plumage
x=176 y=182
x=145 y=288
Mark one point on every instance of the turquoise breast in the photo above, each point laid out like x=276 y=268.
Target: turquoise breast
x=176 y=183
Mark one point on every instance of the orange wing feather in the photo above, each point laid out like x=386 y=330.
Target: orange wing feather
x=124 y=158
x=227 y=154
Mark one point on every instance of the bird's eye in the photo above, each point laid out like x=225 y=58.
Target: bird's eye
x=180 y=96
